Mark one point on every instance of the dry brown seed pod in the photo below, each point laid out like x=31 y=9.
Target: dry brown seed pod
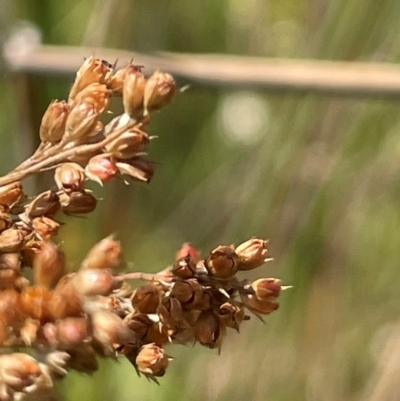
x=137 y=168
x=184 y=267
x=222 y=262
x=208 y=330
x=45 y=204
x=48 y=265
x=152 y=360
x=259 y=306
x=52 y=127
x=139 y=323
x=146 y=298
x=252 y=253
x=117 y=80
x=10 y=194
x=170 y=313
x=100 y=169
x=106 y=254
x=160 y=89
x=45 y=227
x=81 y=202
x=90 y=282
x=128 y=144
x=12 y=240
x=267 y=288
x=5 y=218
x=82 y=121
x=188 y=292
x=96 y=93
x=70 y=177
x=231 y=315
x=93 y=70
x=133 y=91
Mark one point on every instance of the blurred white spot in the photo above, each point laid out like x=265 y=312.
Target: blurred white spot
x=23 y=39
x=243 y=117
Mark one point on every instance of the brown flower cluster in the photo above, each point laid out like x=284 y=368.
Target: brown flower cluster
x=68 y=319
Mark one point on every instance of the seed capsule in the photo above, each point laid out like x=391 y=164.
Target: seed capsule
x=252 y=253
x=208 y=330
x=222 y=262
x=52 y=127
x=133 y=91
x=45 y=204
x=160 y=89
x=101 y=169
x=11 y=194
x=152 y=360
x=81 y=202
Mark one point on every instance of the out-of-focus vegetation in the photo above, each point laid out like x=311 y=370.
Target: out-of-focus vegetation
x=319 y=176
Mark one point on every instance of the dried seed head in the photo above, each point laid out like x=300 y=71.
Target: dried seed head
x=139 y=324
x=170 y=313
x=106 y=254
x=96 y=93
x=101 y=169
x=70 y=177
x=12 y=240
x=45 y=227
x=152 y=360
x=208 y=330
x=222 y=262
x=252 y=253
x=188 y=249
x=92 y=71
x=52 y=127
x=160 y=88
x=146 y=298
x=133 y=91
x=184 y=267
x=19 y=371
x=90 y=282
x=81 y=202
x=128 y=144
x=48 y=265
x=45 y=204
x=11 y=194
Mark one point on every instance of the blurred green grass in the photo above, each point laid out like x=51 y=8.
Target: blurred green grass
x=322 y=184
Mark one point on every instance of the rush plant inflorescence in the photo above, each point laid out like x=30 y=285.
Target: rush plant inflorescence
x=59 y=320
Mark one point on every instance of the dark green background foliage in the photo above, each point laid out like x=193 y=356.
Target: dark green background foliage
x=317 y=175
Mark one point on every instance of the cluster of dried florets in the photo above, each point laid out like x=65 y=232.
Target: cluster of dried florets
x=67 y=320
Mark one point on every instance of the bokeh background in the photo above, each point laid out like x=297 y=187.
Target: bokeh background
x=316 y=174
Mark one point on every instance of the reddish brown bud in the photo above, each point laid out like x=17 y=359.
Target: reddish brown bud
x=128 y=144
x=133 y=91
x=81 y=202
x=152 y=360
x=160 y=89
x=52 y=127
x=89 y=282
x=252 y=253
x=10 y=194
x=222 y=262
x=188 y=249
x=92 y=71
x=208 y=330
x=69 y=177
x=48 y=265
x=106 y=254
x=35 y=302
x=45 y=227
x=184 y=267
x=66 y=300
x=45 y=204
x=11 y=240
x=146 y=298
x=100 y=169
